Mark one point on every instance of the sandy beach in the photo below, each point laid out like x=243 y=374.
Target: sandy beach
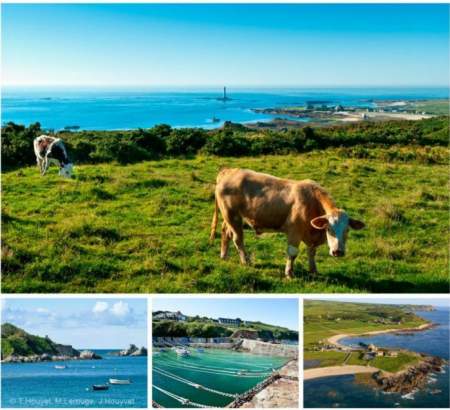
x=335 y=339
x=317 y=372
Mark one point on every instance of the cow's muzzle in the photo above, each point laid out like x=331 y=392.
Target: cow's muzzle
x=337 y=253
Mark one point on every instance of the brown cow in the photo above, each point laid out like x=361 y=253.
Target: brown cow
x=303 y=210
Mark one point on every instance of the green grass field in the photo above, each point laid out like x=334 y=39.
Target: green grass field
x=323 y=319
x=145 y=227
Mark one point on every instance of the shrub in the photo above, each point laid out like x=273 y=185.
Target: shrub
x=152 y=140
x=17 y=144
x=228 y=144
x=185 y=141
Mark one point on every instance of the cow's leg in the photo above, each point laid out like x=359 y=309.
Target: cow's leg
x=39 y=162
x=293 y=240
x=234 y=225
x=225 y=240
x=312 y=259
x=292 y=252
x=238 y=239
x=45 y=165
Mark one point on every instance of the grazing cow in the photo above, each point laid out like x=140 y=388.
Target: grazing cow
x=52 y=150
x=303 y=210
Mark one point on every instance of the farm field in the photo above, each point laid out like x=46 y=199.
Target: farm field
x=145 y=227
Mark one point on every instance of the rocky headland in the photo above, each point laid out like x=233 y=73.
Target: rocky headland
x=411 y=379
x=18 y=346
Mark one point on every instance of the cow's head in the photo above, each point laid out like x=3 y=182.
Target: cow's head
x=66 y=170
x=337 y=225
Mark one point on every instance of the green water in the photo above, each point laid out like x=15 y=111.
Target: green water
x=223 y=370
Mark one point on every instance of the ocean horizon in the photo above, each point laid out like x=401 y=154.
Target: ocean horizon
x=123 y=108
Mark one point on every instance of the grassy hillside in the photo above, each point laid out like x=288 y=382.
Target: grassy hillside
x=18 y=342
x=204 y=327
x=323 y=319
x=144 y=227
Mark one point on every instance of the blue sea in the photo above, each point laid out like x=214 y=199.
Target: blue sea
x=342 y=391
x=118 y=109
x=41 y=385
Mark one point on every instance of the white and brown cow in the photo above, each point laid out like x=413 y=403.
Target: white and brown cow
x=303 y=210
x=50 y=150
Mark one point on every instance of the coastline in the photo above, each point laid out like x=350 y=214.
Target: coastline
x=335 y=339
x=317 y=372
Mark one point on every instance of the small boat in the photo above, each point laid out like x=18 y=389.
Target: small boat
x=162 y=350
x=100 y=387
x=200 y=350
x=119 y=381
x=60 y=367
x=182 y=351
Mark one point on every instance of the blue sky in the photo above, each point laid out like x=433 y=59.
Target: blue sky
x=83 y=323
x=274 y=311
x=236 y=45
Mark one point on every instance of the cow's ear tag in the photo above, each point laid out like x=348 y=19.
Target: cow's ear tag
x=321 y=222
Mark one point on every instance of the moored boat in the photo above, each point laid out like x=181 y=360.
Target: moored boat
x=119 y=381
x=100 y=387
x=182 y=351
x=60 y=367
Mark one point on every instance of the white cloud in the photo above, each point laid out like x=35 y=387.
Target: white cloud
x=3 y=304
x=120 y=309
x=100 y=307
x=42 y=310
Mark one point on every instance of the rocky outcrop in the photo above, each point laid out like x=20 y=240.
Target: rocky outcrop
x=66 y=350
x=89 y=355
x=140 y=352
x=133 y=350
x=245 y=334
x=411 y=379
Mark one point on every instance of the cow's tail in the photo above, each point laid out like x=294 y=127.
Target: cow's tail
x=215 y=220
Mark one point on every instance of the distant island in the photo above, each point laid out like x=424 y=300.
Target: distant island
x=324 y=113
x=18 y=346
x=389 y=369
